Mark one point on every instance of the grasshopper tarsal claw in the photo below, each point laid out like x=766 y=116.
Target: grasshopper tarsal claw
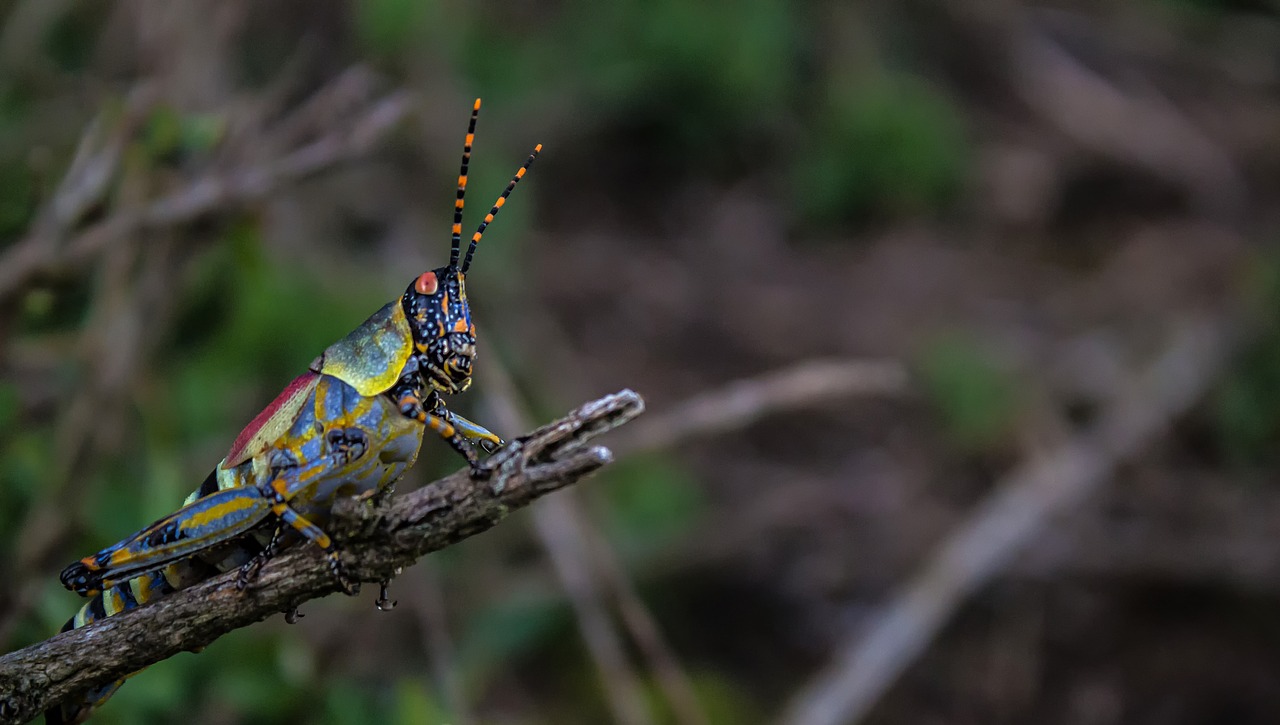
x=249 y=572
x=293 y=615
x=384 y=603
x=348 y=426
x=350 y=586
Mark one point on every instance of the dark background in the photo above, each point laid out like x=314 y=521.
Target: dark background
x=980 y=229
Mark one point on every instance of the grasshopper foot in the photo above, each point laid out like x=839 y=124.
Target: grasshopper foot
x=350 y=587
x=383 y=603
x=249 y=572
x=293 y=615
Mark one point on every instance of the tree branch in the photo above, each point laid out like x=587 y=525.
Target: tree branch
x=377 y=540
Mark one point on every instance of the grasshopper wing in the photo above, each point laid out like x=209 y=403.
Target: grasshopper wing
x=273 y=422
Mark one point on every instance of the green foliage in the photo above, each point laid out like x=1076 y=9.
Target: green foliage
x=650 y=502
x=893 y=146
x=415 y=706
x=169 y=135
x=1246 y=406
x=976 y=399
x=387 y=27
x=71 y=40
x=235 y=350
x=56 y=309
x=739 y=54
x=690 y=75
x=504 y=630
x=724 y=702
x=24 y=466
x=8 y=405
x=345 y=702
x=241 y=673
x=18 y=198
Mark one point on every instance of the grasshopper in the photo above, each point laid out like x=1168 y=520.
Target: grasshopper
x=351 y=425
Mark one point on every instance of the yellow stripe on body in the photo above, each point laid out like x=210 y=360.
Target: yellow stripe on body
x=214 y=513
x=171 y=576
x=141 y=588
x=112 y=602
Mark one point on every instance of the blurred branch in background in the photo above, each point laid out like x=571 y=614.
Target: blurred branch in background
x=46 y=250
x=560 y=528
x=424 y=589
x=1007 y=195
x=583 y=557
x=375 y=545
x=1019 y=509
x=743 y=402
x=1133 y=123
x=117 y=343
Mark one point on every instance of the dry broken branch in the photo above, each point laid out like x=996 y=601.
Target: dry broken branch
x=376 y=540
x=868 y=662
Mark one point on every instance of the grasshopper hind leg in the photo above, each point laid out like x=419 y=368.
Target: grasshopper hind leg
x=317 y=536
x=250 y=569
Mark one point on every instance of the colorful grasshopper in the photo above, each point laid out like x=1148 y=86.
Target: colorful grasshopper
x=349 y=426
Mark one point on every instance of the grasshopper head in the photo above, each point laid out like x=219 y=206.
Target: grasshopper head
x=445 y=337
x=436 y=302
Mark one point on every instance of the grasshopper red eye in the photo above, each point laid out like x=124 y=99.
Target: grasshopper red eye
x=426 y=284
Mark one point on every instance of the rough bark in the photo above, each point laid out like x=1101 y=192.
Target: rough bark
x=376 y=541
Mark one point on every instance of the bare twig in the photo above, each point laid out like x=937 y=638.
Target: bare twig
x=559 y=526
x=741 y=403
x=426 y=601
x=869 y=662
x=377 y=541
x=644 y=628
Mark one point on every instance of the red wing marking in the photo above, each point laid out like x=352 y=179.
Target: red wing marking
x=273 y=422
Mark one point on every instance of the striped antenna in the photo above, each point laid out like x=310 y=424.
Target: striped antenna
x=456 y=249
x=475 y=238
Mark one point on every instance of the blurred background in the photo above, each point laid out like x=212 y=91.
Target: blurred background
x=956 y=321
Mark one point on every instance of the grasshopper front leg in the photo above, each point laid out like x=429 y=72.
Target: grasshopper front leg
x=473 y=432
x=454 y=429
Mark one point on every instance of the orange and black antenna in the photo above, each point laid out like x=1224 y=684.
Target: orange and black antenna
x=475 y=238
x=456 y=249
